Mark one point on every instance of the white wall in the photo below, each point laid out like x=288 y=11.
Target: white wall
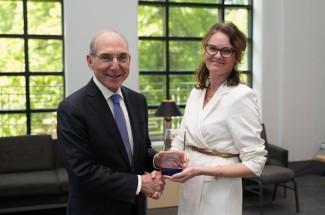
x=82 y=20
x=289 y=76
x=289 y=63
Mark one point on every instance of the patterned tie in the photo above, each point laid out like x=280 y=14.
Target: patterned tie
x=121 y=124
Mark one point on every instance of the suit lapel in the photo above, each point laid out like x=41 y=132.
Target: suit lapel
x=132 y=110
x=104 y=114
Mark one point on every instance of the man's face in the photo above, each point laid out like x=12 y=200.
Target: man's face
x=112 y=61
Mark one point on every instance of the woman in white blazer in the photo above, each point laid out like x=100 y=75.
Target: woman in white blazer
x=222 y=124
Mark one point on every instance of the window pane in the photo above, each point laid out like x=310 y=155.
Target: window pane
x=44 y=123
x=12 y=93
x=246 y=78
x=153 y=87
x=11 y=17
x=45 y=55
x=45 y=91
x=243 y=66
x=155 y=0
x=240 y=2
x=176 y=120
x=12 y=125
x=197 y=1
x=184 y=55
x=245 y=63
x=157 y=126
x=12 y=55
x=191 y=22
x=152 y=55
x=239 y=17
x=180 y=87
x=151 y=21
x=44 y=18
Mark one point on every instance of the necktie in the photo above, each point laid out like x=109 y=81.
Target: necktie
x=121 y=124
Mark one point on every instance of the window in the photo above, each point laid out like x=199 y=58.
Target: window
x=31 y=66
x=170 y=34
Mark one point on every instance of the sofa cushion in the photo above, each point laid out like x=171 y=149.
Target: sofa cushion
x=57 y=154
x=26 y=153
x=63 y=178
x=29 y=183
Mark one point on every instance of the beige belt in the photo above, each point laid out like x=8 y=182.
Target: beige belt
x=211 y=152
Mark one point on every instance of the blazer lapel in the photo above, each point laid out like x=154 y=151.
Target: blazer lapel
x=223 y=89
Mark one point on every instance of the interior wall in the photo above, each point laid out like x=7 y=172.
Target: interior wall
x=82 y=20
x=289 y=39
x=288 y=58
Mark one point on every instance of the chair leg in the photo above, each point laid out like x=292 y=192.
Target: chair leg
x=296 y=195
x=261 y=197
x=274 y=192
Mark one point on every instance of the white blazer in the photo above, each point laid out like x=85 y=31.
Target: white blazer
x=230 y=123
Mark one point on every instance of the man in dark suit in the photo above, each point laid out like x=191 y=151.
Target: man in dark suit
x=102 y=179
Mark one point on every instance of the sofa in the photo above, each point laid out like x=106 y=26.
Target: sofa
x=32 y=175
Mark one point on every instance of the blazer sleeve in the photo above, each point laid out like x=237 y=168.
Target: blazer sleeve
x=245 y=125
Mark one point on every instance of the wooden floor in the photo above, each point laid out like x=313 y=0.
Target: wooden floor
x=311 y=200
x=311 y=189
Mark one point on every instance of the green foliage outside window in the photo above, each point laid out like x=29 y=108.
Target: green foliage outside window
x=150 y=22
x=44 y=17
x=45 y=55
x=152 y=55
x=11 y=16
x=190 y=21
x=12 y=55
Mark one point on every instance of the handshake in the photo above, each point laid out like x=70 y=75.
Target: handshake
x=170 y=162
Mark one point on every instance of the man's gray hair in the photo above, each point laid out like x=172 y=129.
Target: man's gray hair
x=92 y=46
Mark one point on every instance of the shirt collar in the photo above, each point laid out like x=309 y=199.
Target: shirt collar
x=105 y=91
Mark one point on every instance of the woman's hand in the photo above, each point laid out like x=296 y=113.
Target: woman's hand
x=184 y=176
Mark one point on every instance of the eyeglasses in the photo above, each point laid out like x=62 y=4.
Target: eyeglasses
x=213 y=50
x=108 y=58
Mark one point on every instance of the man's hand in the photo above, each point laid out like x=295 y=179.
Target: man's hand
x=152 y=184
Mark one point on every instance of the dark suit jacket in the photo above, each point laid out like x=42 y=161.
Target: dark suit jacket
x=101 y=179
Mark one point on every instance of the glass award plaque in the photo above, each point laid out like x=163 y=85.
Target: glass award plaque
x=172 y=161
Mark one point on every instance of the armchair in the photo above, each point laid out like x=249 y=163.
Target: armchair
x=275 y=172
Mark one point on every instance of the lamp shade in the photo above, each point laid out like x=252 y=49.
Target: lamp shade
x=168 y=108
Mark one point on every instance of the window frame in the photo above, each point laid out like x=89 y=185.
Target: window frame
x=27 y=74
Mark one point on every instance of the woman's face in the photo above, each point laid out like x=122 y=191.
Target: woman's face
x=218 y=65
